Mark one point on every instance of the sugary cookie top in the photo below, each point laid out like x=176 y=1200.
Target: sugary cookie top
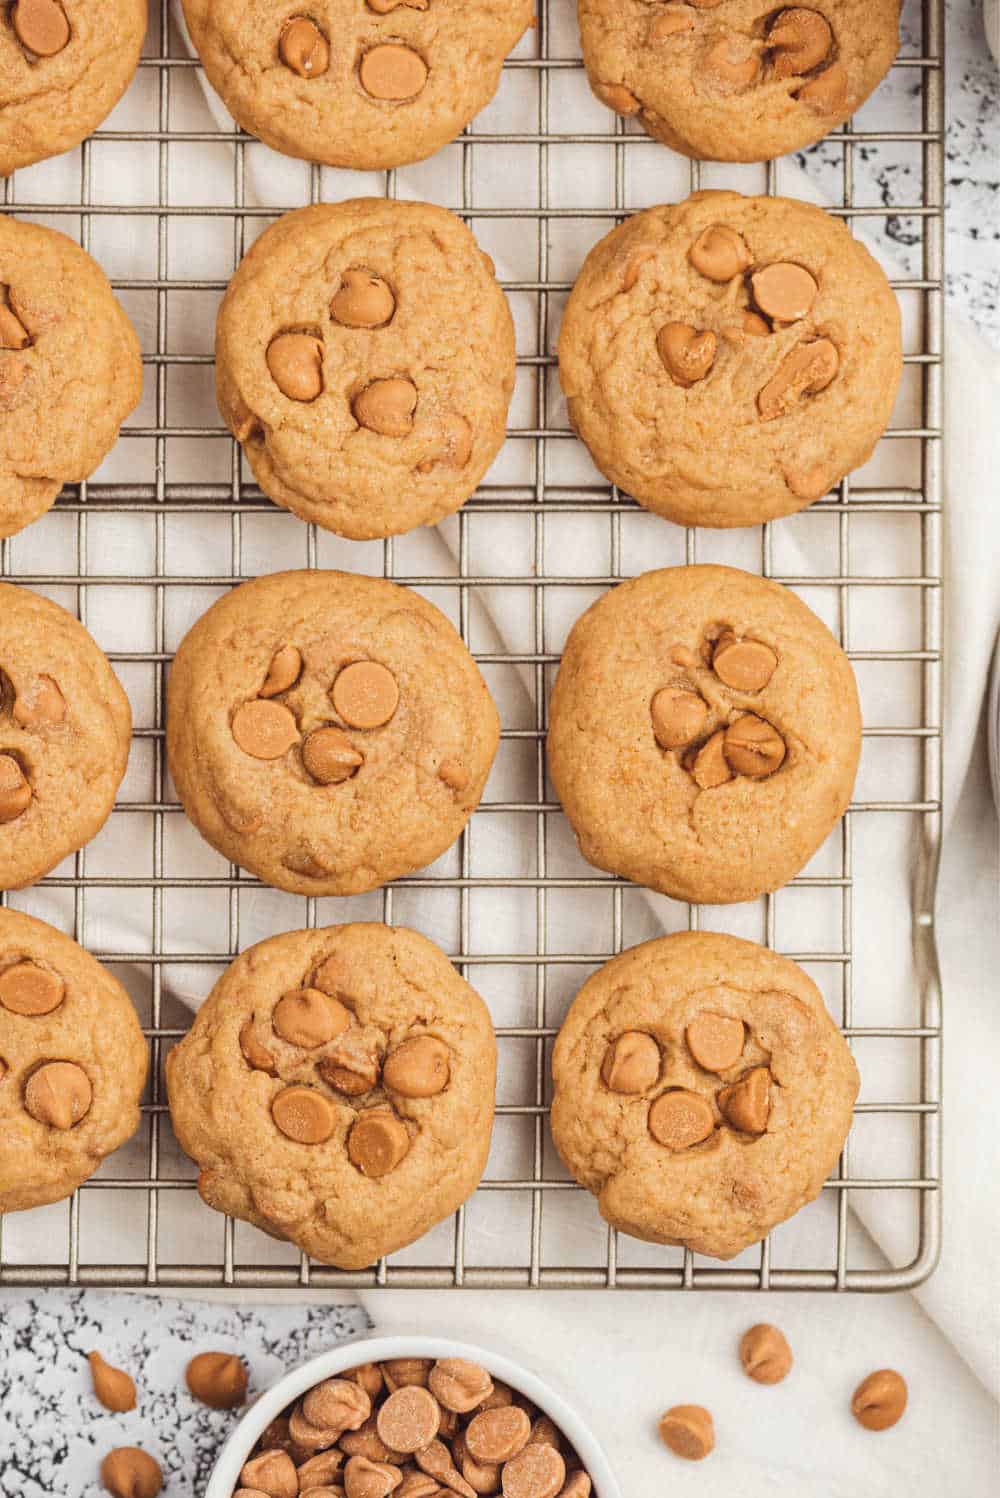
x=358 y=1074
x=729 y=359
x=72 y=1063
x=365 y=356
x=705 y=732
x=702 y=1090
x=359 y=83
x=737 y=80
x=65 y=726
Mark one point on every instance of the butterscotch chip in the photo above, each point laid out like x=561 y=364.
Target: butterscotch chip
x=27 y=988
x=352 y=1066
x=369 y=1376
x=678 y=716
x=303 y=48
x=765 y=1354
x=409 y=1419
x=387 y=407
x=309 y=1018
x=40 y=705
x=303 y=1436
x=495 y=1436
x=58 y=1094
x=419 y=1068
x=454 y=774
x=296 y=364
x=41 y=26
x=365 y=694
x=753 y=325
x=255 y=1053
x=687 y=353
x=747 y=1103
x=366 y=1441
x=744 y=665
x=305 y=1115
x=264 y=730
x=283 y=672
x=218 y=1379
x=322 y=1468
x=436 y=1461
x=720 y=253
x=578 y=1485
x=15 y=792
x=753 y=747
x=799 y=39
x=392 y=72
x=730 y=65
x=337 y=1404
x=13 y=333
x=536 y=1472
x=367 y=1479
x=419 y=1485
x=129 y=1472
x=377 y=1143
x=330 y=757
x=708 y=766
x=828 y=92
x=716 y=1040
x=688 y=1430
x=680 y=1119
x=113 y=1386
x=631 y=1063
x=670 y=22
x=880 y=1399
x=272 y=1472
x=784 y=291
x=364 y=300
x=808 y=370
x=404 y=1373
x=460 y=1385
x=545 y=1431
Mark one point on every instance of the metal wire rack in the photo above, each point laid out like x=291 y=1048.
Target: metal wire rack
x=139 y=1221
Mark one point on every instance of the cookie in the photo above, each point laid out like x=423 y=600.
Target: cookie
x=328 y=732
x=737 y=80
x=357 y=83
x=79 y=53
x=365 y=360
x=65 y=734
x=705 y=733
x=70 y=369
x=702 y=1091
x=337 y=1089
x=729 y=359
x=72 y=1064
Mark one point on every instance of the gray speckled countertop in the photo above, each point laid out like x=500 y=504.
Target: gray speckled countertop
x=972 y=169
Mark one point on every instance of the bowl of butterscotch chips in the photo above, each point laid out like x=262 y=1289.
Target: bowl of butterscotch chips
x=411 y=1417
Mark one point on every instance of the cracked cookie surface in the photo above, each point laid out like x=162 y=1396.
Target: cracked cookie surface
x=328 y=732
x=728 y=359
x=722 y=1187
x=53 y=101
x=737 y=80
x=365 y=359
x=70 y=369
x=65 y=734
x=356 y=83
x=380 y=991
x=761 y=763
x=72 y=1063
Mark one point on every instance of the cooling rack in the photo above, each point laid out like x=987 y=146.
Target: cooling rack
x=539 y=176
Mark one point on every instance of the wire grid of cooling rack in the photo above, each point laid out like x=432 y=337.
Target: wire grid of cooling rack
x=145 y=1191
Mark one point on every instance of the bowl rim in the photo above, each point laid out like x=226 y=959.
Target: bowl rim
x=225 y=1474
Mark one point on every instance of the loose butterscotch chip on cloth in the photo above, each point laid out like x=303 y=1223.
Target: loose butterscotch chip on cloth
x=332 y=783
x=70 y=368
x=365 y=360
x=72 y=1072
x=768 y=772
x=746 y=81
x=355 y=83
x=721 y=1186
x=347 y=1177
x=65 y=734
x=730 y=359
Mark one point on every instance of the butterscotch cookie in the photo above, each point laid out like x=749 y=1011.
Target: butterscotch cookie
x=337 y=1089
x=72 y=1063
x=328 y=732
x=737 y=80
x=70 y=370
x=81 y=53
x=65 y=733
x=359 y=83
x=702 y=1092
x=705 y=733
x=729 y=359
x=365 y=360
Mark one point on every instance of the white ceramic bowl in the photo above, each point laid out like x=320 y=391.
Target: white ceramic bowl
x=258 y=1417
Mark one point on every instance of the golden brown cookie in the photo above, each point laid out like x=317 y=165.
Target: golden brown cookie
x=328 y=732
x=729 y=359
x=358 y=83
x=365 y=359
x=72 y=1063
x=337 y=1090
x=705 y=733
x=70 y=370
x=741 y=1115
x=737 y=80
x=81 y=53
x=65 y=733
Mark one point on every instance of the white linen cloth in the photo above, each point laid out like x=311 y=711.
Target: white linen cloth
x=610 y=1350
